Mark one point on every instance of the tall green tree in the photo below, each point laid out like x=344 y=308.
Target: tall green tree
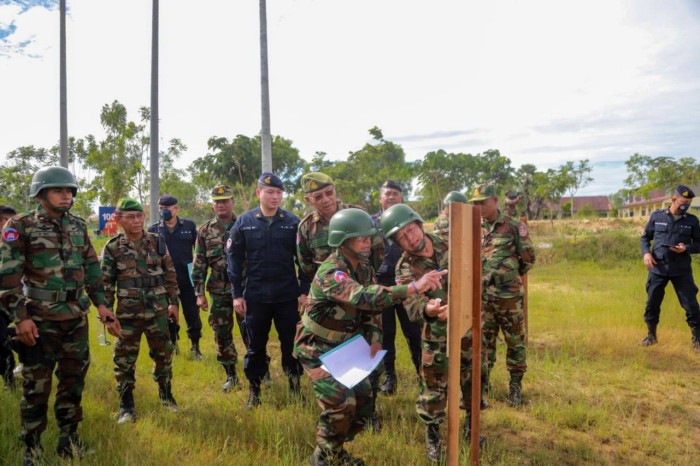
x=439 y=173
x=574 y=177
x=645 y=173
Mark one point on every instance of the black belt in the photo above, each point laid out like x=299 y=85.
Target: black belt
x=140 y=282
x=54 y=296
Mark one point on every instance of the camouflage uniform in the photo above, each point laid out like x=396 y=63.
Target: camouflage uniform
x=210 y=252
x=432 y=398
x=341 y=304
x=442 y=223
x=507 y=253
x=46 y=265
x=145 y=283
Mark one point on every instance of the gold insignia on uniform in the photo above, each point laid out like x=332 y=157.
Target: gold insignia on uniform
x=313 y=185
x=267 y=180
x=386 y=183
x=684 y=194
x=219 y=190
x=476 y=192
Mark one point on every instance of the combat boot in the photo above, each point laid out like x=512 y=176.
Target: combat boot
x=375 y=422
x=345 y=458
x=696 y=339
x=32 y=450
x=433 y=444
x=126 y=407
x=70 y=445
x=321 y=457
x=515 y=397
x=389 y=385
x=231 y=378
x=467 y=431
x=650 y=339
x=195 y=352
x=253 y=396
x=165 y=393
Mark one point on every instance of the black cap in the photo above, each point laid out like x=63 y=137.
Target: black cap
x=271 y=180
x=167 y=200
x=7 y=210
x=392 y=184
x=685 y=191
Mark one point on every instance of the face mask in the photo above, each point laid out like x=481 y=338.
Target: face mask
x=683 y=208
x=165 y=215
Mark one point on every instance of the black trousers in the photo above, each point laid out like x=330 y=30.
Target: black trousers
x=411 y=331
x=188 y=301
x=258 y=322
x=685 y=288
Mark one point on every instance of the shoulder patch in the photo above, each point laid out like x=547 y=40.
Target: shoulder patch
x=522 y=230
x=339 y=276
x=10 y=234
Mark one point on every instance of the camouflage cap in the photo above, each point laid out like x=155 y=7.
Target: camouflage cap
x=483 y=192
x=271 y=180
x=221 y=192
x=314 y=181
x=685 y=191
x=392 y=184
x=127 y=203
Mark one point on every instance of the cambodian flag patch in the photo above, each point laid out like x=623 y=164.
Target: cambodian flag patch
x=10 y=234
x=340 y=276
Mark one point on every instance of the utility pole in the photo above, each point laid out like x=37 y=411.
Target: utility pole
x=266 y=143
x=155 y=175
x=63 y=88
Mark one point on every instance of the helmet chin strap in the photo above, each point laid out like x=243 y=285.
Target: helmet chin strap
x=361 y=256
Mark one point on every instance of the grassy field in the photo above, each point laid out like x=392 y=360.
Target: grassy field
x=592 y=395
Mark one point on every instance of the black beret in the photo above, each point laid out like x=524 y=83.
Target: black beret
x=685 y=191
x=393 y=185
x=271 y=180
x=167 y=200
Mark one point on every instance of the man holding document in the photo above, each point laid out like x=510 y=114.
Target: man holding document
x=341 y=302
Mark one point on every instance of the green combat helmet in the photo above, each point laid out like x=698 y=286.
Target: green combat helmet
x=349 y=223
x=396 y=217
x=52 y=177
x=455 y=196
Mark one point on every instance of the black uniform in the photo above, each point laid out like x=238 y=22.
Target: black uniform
x=386 y=275
x=180 y=242
x=664 y=230
x=261 y=266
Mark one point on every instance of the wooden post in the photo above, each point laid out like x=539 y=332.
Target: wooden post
x=523 y=219
x=464 y=292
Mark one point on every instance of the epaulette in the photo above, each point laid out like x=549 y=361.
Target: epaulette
x=307 y=216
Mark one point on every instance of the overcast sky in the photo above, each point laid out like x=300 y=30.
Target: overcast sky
x=542 y=81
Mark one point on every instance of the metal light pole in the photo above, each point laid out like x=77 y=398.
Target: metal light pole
x=63 y=88
x=155 y=175
x=266 y=146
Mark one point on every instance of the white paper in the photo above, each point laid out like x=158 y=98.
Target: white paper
x=351 y=363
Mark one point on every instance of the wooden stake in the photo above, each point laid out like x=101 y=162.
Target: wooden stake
x=464 y=299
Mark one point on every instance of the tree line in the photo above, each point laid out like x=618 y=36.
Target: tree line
x=117 y=166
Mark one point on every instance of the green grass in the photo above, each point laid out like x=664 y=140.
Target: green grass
x=592 y=395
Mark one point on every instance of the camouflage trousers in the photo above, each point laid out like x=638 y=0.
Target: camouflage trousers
x=432 y=398
x=62 y=345
x=221 y=320
x=506 y=314
x=344 y=410
x=126 y=350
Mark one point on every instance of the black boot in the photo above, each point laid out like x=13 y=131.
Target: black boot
x=70 y=445
x=696 y=339
x=165 y=393
x=650 y=339
x=195 y=352
x=467 y=431
x=375 y=421
x=231 y=378
x=126 y=407
x=295 y=388
x=253 y=396
x=515 y=397
x=389 y=385
x=433 y=445
x=32 y=450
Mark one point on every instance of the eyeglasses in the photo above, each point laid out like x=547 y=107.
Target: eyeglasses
x=132 y=217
